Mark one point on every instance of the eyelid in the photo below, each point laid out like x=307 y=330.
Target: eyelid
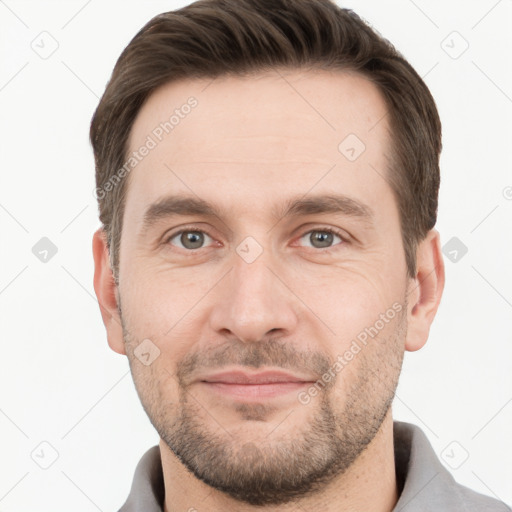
x=344 y=237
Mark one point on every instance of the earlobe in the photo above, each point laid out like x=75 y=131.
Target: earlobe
x=105 y=288
x=425 y=291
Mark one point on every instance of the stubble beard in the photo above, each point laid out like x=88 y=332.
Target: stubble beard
x=280 y=469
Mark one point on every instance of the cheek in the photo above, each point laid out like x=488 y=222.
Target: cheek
x=159 y=302
x=372 y=358
x=350 y=298
x=156 y=387
x=167 y=312
x=367 y=320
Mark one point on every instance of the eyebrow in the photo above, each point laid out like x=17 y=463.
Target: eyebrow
x=181 y=205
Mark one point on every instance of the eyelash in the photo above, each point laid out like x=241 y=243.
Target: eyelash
x=318 y=229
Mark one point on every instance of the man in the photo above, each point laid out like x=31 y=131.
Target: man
x=267 y=175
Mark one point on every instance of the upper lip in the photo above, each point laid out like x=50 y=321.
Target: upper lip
x=264 y=377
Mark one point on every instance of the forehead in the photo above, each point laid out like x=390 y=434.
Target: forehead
x=261 y=135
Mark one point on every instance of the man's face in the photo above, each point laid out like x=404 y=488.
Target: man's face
x=252 y=290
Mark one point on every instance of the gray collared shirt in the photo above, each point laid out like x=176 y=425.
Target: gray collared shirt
x=424 y=483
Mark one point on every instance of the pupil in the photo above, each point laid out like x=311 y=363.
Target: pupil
x=192 y=239
x=324 y=238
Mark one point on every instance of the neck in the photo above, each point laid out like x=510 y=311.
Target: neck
x=369 y=484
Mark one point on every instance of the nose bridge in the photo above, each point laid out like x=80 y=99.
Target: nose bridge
x=252 y=299
x=251 y=282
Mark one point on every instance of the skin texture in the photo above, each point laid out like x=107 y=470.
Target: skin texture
x=249 y=146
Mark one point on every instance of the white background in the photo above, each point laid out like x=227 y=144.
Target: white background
x=59 y=381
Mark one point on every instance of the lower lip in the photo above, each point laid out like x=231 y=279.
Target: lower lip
x=254 y=391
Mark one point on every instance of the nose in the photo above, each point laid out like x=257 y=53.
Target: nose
x=254 y=301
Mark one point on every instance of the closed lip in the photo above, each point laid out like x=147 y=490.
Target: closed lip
x=265 y=377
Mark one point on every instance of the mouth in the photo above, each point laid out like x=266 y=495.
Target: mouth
x=254 y=386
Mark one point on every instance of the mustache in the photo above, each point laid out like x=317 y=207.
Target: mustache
x=253 y=355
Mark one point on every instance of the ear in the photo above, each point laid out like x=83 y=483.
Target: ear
x=425 y=290
x=106 y=292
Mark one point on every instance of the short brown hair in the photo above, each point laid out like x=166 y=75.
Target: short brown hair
x=211 y=38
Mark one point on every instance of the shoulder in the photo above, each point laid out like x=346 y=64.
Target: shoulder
x=425 y=484
x=476 y=501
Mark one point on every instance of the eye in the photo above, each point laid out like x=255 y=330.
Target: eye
x=322 y=238
x=189 y=239
x=194 y=239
